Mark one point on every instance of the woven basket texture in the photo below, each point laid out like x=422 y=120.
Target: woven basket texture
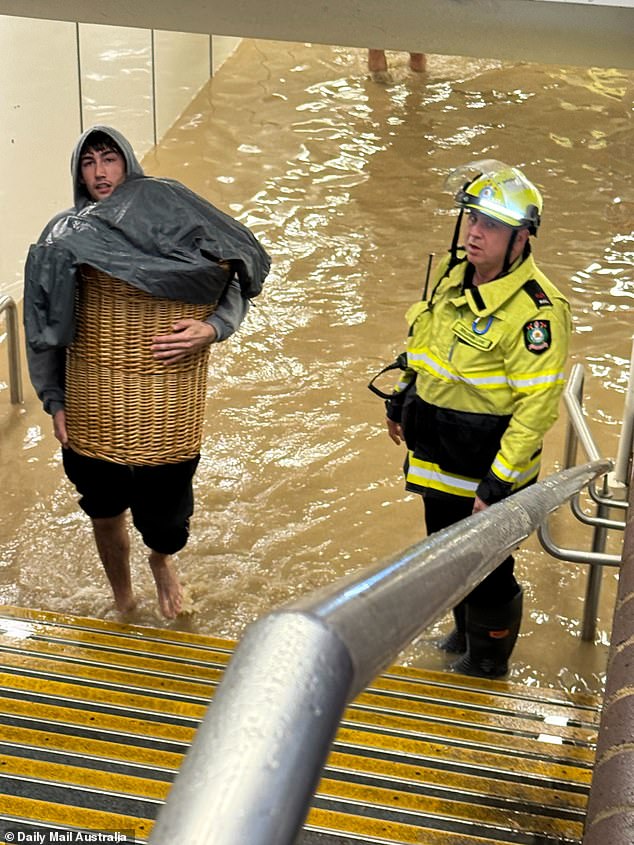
x=122 y=404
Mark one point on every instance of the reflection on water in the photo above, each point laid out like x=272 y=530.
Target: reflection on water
x=341 y=178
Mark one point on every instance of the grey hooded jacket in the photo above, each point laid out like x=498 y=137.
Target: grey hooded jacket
x=154 y=234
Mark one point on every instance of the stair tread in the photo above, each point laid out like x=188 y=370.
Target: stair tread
x=349 y=797
x=174 y=737
x=17 y=808
x=107 y=707
x=169 y=643
x=366 y=830
x=408 y=713
x=97 y=716
x=77 y=750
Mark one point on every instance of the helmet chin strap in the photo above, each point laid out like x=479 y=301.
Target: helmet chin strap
x=456 y=237
x=509 y=249
x=507 y=258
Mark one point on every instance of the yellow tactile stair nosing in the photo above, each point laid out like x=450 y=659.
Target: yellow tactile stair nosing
x=167 y=651
x=108 y=724
x=398 y=693
x=370 y=767
x=368 y=830
x=102 y=699
x=444 y=679
x=162 y=667
x=457 y=742
x=51 y=753
x=340 y=764
x=82 y=779
x=52 y=743
x=49 y=815
x=119 y=629
x=478 y=699
x=497 y=723
x=460 y=757
x=96 y=680
x=119 y=753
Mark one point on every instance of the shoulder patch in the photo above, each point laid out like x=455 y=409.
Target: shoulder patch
x=537 y=293
x=537 y=337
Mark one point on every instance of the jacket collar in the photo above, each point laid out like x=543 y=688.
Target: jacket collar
x=485 y=299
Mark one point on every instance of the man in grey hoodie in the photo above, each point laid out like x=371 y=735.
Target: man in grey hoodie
x=161 y=498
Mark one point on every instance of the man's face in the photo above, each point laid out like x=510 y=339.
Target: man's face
x=487 y=240
x=102 y=171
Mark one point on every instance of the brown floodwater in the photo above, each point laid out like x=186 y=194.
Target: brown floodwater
x=341 y=178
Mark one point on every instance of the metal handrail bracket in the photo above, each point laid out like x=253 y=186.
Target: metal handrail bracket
x=597 y=521
x=15 y=375
x=256 y=759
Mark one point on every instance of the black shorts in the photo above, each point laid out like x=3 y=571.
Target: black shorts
x=161 y=498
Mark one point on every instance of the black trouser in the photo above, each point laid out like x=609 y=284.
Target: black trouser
x=161 y=497
x=442 y=510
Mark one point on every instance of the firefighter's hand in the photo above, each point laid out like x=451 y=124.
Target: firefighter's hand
x=188 y=336
x=59 y=427
x=395 y=431
x=479 y=505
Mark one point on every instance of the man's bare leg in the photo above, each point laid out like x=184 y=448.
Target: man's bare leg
x=113 y=545
x=418 y=62
x=377 y=62
x=168 y=587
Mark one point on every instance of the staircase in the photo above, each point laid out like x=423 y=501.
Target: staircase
x=95 y=718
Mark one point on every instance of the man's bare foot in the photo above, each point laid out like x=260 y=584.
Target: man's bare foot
x=377 y=63
x=418 y=62
x=168 y=587
x=125 y=603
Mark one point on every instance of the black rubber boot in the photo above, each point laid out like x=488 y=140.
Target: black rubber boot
x=456 y=642
x=491 y=637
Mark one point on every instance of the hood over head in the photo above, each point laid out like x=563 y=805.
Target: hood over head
x=133 y=168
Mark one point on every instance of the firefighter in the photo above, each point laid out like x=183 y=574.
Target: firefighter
x=485 y=369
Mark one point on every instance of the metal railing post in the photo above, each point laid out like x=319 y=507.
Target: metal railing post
x=574 y=388
x=593 y=585
x=622 y=463
x=13 y=334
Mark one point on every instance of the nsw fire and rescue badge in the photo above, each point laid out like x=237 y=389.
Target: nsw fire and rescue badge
x=537 y=336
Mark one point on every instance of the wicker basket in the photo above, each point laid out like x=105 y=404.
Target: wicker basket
x=122 y=404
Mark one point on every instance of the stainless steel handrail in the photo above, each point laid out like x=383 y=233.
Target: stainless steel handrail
x=579 y=432
x=256 y=759
x=578 y=429
x=15 y=376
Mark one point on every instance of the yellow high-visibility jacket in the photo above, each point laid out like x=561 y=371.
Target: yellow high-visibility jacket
x=488 y=364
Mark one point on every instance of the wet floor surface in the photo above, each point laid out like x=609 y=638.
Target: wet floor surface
x=340 y=176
